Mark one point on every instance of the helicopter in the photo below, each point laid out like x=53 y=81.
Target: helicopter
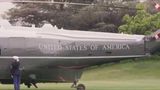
x=49 y=54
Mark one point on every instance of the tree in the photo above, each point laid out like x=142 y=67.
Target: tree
x=142 y=23
x=101 y=17
x=104 y=17
x=37 y=13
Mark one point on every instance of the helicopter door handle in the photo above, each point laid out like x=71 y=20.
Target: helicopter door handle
x=0 y=51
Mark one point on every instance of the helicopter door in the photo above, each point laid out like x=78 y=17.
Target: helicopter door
x=3 y=46
x=17 y=45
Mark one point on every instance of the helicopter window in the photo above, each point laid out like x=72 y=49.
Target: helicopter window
x=0 y=51
x=149 y=38
x=89 y=54
x=108 y=52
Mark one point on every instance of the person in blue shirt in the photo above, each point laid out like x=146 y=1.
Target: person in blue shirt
x=15 y=72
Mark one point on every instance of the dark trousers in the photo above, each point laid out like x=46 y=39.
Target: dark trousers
x=16 y=82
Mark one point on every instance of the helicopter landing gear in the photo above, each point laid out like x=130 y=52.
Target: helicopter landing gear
x=79 y=86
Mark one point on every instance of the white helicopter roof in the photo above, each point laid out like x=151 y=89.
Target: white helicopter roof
x=54 y=32
x=47 y=26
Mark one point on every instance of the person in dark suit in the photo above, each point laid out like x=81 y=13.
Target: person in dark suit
x=15 y=72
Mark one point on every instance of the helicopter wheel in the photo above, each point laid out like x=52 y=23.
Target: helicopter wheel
x=81 y=87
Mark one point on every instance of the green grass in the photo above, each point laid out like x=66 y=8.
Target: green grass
x=98 y=85
x=147 y=68
x=142 y=74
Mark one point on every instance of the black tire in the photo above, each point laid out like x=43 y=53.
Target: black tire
x=81 y=87
x=28 y=84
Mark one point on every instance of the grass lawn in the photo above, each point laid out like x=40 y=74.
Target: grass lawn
x=98 y=85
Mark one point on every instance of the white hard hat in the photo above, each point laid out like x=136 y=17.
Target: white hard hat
x=16 y=58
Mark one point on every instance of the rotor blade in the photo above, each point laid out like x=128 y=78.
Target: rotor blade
x=6 y=1
x=54 y=2
x=122 y=7
x=48 y=2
